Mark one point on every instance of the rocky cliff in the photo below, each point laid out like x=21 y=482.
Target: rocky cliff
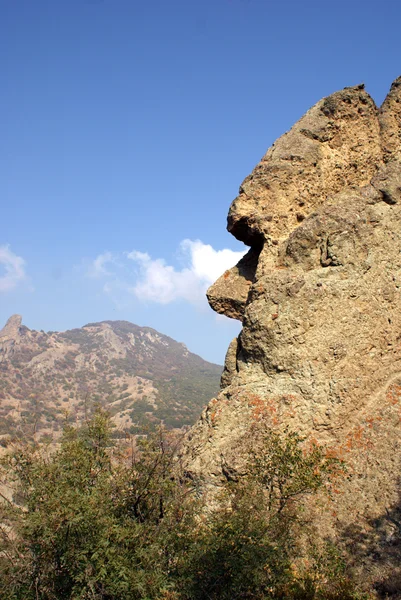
x=319 y=296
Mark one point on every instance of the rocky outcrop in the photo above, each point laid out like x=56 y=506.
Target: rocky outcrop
x=9 y=336
x=319 y=296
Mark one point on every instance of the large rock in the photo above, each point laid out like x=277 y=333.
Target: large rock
x=319 y=296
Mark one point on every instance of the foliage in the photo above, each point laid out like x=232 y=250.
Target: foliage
x=92 y=520
x=252 y=547
x=39 y=384
x=286 y=468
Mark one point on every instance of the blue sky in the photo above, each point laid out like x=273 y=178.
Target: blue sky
x=126 y=129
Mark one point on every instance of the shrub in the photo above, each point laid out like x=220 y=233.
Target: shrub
x=92 y=520
x=250 y=546
x=87 y=523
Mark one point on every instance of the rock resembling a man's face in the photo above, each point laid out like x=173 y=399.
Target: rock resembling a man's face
x=319 y=297
x=315 y=292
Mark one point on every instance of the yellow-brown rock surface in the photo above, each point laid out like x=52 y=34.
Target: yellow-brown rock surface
x=319 y=296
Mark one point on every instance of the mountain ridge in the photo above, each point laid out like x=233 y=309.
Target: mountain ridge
x=140 y=375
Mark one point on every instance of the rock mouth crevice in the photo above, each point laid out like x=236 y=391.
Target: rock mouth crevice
x=247 y=230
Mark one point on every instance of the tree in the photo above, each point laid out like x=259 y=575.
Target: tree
x=94 y=519
x=91 y=521
x=248 y=548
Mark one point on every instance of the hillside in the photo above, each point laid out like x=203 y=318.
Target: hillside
x=143 y=378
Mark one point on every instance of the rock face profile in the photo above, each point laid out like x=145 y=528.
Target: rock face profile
x=319 y=297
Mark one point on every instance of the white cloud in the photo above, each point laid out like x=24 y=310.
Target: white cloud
x=162 y=283
x=14 y=267
x=153 y=280
x=206 y=262
x=97 y=268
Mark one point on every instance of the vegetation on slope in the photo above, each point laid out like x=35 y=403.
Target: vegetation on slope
x=142 y=377
x=95 y=520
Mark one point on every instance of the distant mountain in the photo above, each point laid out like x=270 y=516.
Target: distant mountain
x=141 y=376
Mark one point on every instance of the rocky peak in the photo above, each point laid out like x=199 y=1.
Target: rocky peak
x=12 y=327
x=9 y=336
x=319 y=296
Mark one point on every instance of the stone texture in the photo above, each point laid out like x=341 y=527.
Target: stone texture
x=229 y=294
x=319 y=296
x=335 y=145
x=390 y=122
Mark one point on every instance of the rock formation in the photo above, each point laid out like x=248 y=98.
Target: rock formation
x=319 y=296
x=9 y=336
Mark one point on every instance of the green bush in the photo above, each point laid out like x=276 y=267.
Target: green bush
x=87 y=524
x=92 y=520
x=250 y=547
